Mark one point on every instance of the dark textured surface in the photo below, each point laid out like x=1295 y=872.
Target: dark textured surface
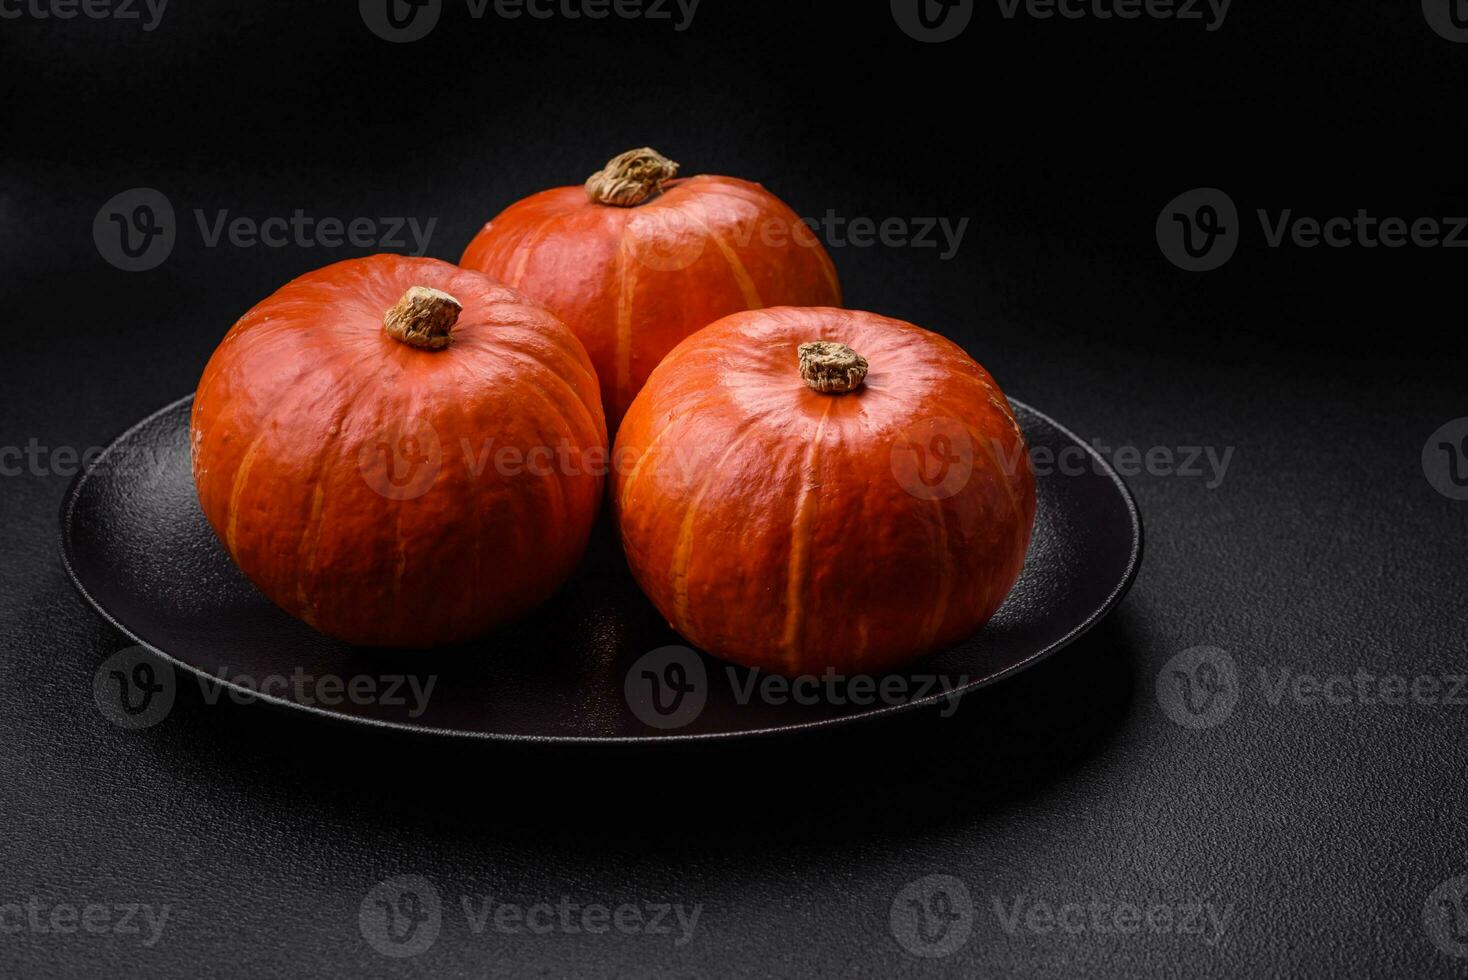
x=138 y=547
x=1326 y=828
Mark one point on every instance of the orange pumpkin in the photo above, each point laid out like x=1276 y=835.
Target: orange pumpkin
x=635 y=261
x=400 y=452
x=809 y=489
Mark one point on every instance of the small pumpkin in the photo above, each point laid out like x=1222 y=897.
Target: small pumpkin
x=809 y=489
x=382 y=448
x=635 y=260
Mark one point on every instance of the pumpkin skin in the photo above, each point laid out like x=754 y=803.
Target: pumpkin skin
x=796 y=531
x=633 y=281
x=354 y=477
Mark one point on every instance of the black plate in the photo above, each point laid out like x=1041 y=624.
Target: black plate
x=594 y=663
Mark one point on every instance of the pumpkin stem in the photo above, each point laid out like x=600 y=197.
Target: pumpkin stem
x=423 y=318
x=831 y=368
x=630 y=178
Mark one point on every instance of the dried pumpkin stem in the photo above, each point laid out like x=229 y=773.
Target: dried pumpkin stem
x=423 y=318
x=630 y=178
x=831 y=368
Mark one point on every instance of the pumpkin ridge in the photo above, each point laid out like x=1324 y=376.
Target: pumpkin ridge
x=510 y=334
x=683 y=549
x=735 y=190
x=588 y=419
x=237 y=488
x=524 y=249
x=1001 y=468
x=256 y=341
x=1007 y=478
x=741 y=275
x=626 y=289
x=310 y=538
x=318 y=506
x=562 y=504
x=476 y=563
x=643 y=456
x=401 y=564
x=801 y=532
x=306 y=554
x=411 y=410
x=944 y=562
x=740 y=272
x=535 y=328
x=647 y=451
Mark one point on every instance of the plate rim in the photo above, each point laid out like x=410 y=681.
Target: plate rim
x=1134 y=564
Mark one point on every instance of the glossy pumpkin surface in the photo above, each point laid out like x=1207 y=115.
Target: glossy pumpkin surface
x=633 y=280
x=392 y=494
x=797 y=530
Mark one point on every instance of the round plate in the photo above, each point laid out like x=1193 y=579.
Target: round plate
x=597 y=663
